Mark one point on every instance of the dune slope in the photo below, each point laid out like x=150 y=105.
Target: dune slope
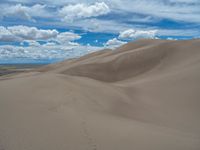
x=143 y=95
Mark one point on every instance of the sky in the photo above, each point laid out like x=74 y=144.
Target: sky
x=47 y=31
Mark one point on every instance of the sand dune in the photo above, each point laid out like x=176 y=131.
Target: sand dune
x=144 y=95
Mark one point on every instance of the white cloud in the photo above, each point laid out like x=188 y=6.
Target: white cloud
x=135 y=34
x=24 y=12
x=32 y=43
x=81 y=11
x=97 y=25
x=50 y=44
x=112 y=43
x=179 y=10
x=46 y=51
x=171 y=39
x=33 y=34
x=18 y=11
x=7 y=36
x=67 y=36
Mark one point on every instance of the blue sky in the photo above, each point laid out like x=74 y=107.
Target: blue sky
x=44 y=31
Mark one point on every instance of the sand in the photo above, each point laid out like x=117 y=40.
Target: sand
x=144 y=95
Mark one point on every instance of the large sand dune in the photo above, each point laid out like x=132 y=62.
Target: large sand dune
x=142 y=96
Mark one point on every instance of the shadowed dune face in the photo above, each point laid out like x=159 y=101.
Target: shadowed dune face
x=132 y=59
x=143 y=95
x=119 y=67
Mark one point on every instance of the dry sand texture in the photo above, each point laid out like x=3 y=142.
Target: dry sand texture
x=142 y=96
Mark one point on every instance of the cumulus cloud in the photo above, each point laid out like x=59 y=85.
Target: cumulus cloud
x=20 y=11
x=33 y=34
x=81 y=10
x=112 y=43
x=135 y=34
x=67 y=36
x=7 y=36
x=21 y=33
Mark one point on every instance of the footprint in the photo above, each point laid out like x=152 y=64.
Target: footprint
x=91 y=142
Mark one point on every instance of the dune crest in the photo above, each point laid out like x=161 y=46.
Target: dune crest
x=144 y=95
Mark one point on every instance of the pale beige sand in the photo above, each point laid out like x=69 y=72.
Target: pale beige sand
x=142 y=96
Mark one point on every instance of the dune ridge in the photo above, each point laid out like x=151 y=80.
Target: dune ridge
x=143 y=95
